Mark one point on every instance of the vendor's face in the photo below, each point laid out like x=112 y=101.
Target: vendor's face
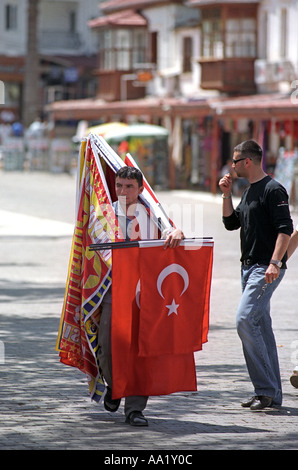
x=127 y=191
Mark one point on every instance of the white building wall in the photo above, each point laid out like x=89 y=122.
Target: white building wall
x=273 y=40
x=292 y=40
x=12 y=43
x=275 y=71
x=166 y=21
x=53 y=17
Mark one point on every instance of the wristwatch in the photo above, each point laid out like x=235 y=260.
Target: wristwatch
x=276 y=262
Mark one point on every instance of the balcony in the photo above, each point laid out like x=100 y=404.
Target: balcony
x=58 y=40
x=118 y=73
x=230 y=75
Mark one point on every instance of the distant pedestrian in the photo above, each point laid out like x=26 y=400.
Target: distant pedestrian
x=292 y=247
x=265 y=224
x=17 y=129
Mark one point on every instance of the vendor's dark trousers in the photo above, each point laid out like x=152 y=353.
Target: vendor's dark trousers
x=132 y=403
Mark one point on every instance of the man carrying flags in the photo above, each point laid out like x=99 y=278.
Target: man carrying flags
x=135 y=224
x=134 y=312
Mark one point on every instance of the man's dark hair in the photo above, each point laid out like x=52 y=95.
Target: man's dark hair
x=130 y=173
x=250 y=149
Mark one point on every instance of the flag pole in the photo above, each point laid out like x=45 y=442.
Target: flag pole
x=146 y=243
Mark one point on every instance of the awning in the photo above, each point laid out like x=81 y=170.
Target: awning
x=261 y=106
x=136 y=131
x=97 y=109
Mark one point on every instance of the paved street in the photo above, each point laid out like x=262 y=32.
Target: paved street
x=46 y=405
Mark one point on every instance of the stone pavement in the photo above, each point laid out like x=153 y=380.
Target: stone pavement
x=45 y=405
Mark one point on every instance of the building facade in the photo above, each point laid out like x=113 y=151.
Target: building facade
x=66 y=48
x=212 y=72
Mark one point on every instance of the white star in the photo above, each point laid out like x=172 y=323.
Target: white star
x=172 y=308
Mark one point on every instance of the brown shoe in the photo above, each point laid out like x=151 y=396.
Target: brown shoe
x=260 y=403
x=248 y=403
x=294 y=379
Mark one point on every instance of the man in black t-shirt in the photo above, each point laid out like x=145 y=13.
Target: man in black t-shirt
x=265 y=224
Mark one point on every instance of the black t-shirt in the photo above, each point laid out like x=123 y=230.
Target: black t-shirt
x=262 y=214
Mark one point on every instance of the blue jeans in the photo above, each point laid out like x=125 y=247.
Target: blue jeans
x=254 y=328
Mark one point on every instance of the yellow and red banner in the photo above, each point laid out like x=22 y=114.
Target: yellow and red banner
x=89 y=275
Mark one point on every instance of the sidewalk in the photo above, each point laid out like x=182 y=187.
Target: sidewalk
x=46 y=405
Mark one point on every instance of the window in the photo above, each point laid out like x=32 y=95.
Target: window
x=264 y=34
x=72 y=22
x=228 y=33
x=106 y=50
x=187 y=54
x=139 y=47
x=11 y=17
x=122 y=49
x=123 y=46
x=283 y=33
x=212 y=38
x=241 y=37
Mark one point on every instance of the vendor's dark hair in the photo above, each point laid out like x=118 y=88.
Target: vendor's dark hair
x=250 y=149
x=130 y=173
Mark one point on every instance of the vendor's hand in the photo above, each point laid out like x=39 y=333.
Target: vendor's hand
x=174 y=238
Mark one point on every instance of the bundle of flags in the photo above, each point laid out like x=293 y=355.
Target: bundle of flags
x=160 y=307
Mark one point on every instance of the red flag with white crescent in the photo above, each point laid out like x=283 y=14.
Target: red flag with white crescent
x=174 y=299
x=148 y=366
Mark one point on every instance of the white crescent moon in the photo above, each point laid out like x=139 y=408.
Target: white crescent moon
x=138 y=291
x=172 y=268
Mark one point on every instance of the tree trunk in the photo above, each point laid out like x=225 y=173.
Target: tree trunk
x=31 y=93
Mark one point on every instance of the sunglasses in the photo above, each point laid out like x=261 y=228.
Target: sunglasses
x=239 y=160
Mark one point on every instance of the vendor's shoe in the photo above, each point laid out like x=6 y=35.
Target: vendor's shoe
x=136 y=418
x=109 y=403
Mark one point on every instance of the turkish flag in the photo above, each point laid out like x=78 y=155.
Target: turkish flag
x=160 y=373
x=174 y=299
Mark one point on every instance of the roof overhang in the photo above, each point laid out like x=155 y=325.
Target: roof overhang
x=202 y=3
x=260 y=106
x=255 y=107
x=127 y=18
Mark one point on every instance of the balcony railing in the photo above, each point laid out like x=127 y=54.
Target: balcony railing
x=49 y=40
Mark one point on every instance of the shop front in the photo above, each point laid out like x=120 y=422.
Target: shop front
x=201 y=133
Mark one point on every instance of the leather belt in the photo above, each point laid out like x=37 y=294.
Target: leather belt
x=247 y=262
